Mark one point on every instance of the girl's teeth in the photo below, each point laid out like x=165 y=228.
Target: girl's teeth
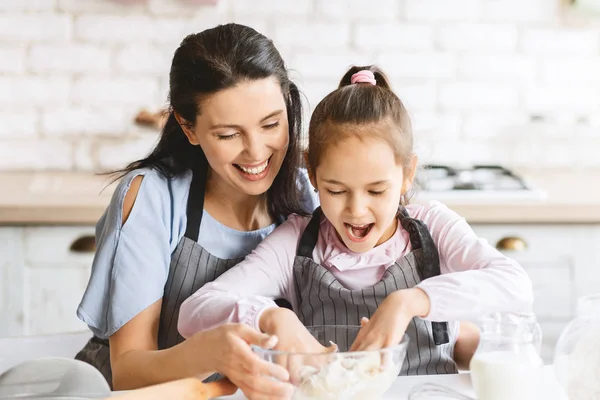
x=359 y=231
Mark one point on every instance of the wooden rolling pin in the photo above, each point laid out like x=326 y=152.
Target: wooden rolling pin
x=182 y=389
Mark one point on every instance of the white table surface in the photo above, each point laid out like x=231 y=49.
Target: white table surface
x=549 y=387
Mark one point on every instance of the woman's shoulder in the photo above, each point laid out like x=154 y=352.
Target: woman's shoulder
x=149 y=191
x=154 y=183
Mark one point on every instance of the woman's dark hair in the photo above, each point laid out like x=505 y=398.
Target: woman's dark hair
x=206 y=63
x=356 y=110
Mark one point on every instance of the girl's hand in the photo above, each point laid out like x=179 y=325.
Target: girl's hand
x=294 y=338
x=388 y=324
x=228 y=352
x=292 y=334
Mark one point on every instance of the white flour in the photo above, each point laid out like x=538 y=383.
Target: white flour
x=503 y=375
x=346 y=378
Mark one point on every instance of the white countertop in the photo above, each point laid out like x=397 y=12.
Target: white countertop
x=62 y=198
x=549 y=389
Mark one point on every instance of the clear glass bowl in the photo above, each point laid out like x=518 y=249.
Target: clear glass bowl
x=364 y=375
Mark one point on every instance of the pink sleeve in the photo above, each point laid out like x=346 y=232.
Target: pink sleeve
x=476 y=278
x=245 y=291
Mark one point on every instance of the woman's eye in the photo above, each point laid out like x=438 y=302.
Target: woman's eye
x=335 y=193
x=227 y=137
x=271 y=126
x=376 y=192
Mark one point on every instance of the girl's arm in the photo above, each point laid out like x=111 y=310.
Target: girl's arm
x=476 y=278
x=245 y=291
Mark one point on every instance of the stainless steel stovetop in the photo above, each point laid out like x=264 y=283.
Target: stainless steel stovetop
x=477 y=183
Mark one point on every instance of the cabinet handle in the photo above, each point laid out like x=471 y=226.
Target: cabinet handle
x=511 y=243
x=84 y=244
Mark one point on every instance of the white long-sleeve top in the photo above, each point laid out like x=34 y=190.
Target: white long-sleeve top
x=475 y=279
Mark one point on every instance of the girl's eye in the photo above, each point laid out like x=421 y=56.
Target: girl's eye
x=335 y=193
x=271 y=126
x=376 y=192
x=227 y=137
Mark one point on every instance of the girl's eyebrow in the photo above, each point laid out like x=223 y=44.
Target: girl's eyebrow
x=334 y=182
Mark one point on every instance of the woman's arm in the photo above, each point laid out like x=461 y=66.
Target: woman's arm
x=476 y=278
x=245 y=291
x=137 y=363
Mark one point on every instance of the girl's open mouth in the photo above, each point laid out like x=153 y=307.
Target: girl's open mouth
x=358 y=233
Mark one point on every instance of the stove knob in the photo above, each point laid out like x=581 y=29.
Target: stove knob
x=511 y=243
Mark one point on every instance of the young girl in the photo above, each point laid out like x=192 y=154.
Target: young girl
x=366 y=256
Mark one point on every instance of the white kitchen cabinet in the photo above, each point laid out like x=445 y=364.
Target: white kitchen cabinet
x=45 y=278
x=11 y=281
x=55 y=278
x=42 y=279
x=562 y=262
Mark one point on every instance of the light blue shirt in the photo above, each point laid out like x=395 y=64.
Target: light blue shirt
x=132 y=260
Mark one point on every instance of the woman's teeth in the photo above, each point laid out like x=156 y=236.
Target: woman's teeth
x=254 y=170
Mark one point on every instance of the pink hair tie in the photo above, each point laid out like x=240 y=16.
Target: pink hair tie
x=363 y=76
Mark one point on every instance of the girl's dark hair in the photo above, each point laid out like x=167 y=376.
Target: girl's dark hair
x=352 y=110
x=206 y=63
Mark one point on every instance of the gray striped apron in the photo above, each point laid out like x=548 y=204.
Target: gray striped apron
x=191 y=267
x=323 y=300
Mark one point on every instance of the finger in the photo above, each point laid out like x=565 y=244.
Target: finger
x=364 y=321
x=260 y=385
x=333 y=348
x=368 y=342
x=253 y=336
x=359 y=339
x=250 y=360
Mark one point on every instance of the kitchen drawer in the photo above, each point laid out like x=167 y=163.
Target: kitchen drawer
x=541 y=242
x=59 y=245
x=551 y=330
x=11 y=281
x=553 y=290
x=51 y=299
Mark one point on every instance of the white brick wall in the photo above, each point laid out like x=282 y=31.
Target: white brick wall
x=478 y=37
x=68 y=58
x=472 y=73
x=391 y=35
x=12 y=58
x=42 y=27
x=426 y=65
x=27 y=5
x=374 y=10
x=442 y=10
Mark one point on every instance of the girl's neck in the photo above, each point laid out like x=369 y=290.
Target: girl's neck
x=235 y=209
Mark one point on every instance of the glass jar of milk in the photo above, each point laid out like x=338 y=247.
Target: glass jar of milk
x=507 y=362
x=577 y=352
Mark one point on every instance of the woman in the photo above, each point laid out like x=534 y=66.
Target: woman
x=223 y=175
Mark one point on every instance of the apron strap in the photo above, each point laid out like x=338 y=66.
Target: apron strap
x=428 y=262
x=309 y=237
x=195 y=204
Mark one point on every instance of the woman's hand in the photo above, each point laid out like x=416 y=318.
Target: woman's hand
x=388 y=324
x=227 y=349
